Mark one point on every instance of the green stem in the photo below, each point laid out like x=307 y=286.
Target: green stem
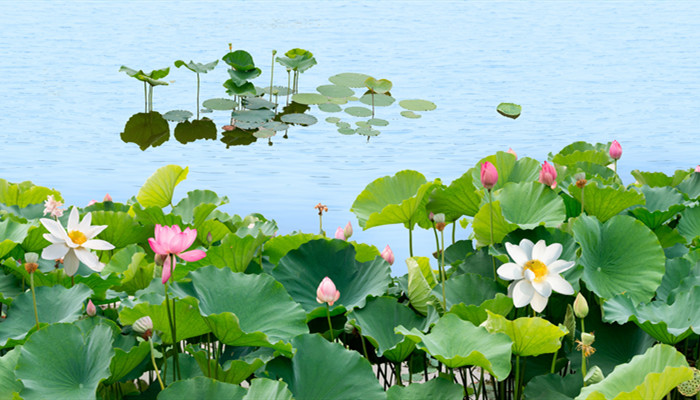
x=442 y=269
x=153 y=360
x=397 y=372
x=364 y=347
x=615 y=166
x=272 y=72
x=583 y=192
x=197 y=95
x=583 y=357
x=454 y=228
x=516 y=387
x=172 y=329
x=372 y=104
x=554 y=361
x=150 y=98
x=320 y=225
x=330 y=326
x=288 y=84
x=410 y=239
x=36 y=314
x=437 y=240
x=145 y=98
x=493 y=259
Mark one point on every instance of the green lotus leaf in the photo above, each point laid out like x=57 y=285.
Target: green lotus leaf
x=341 y=100
x=152 y=77
x=10 y=287
x=224 y=302
x=332 y=120
x=177 y=115
x=417 y=105
x=648 y=376
x=12 y=233
x=346 y=131
x=434 y=389
x=261 y=388
x=263 y=133
x=279 y=246
x=234 y=252
x=620 y=256
x=376 y=322
x=300 y=119
x=9 y=385
x=691 y=186
x=359 y=111
x=410 y=114
x=392 y=200
x=336 y=91
x=473 y=346
x=678 y=271
x=662 y=204
x=530 y=204
x=125 y=360
x=583 y=152
x=122 y=229
x=459 y=198
x=330 y=107
x=186 y=207
x=476 y=314
x=380 y=86
x=349 y=79
x=54 y=304
x=367 y=131
x=276 y=126
x=303 y=269
x=309 y=98
x=189 y=322
x=146 y=130
x=188 y=132
x=469 y=289
x=689 y=225
x=509 y=110
x=77 y=365
x=421 y=281
x=245 y=89
x=605 y=202
x=659 y=179
x=240 y=60
x=346 y=374
x=219 y=104
x=158 y=189
x=25 y=193
x=257 y=103
x=380 y=100
x=154 y=215
x=531 y=336
x=378 y=122
x=510 y=169
x=202 y=388
x=553 y=387
x=197 y=67
x=482 y=224
x=297 y=63
x=240 y=78
x=235 y=371
x=252 y=115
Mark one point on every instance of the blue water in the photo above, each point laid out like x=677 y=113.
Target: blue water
x=593 y=71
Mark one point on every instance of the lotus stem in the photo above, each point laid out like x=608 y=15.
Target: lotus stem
x=172 y=326
x=364 y=347
x=153 y=361
x=516 y=387
x=583 y=192
x=330 y=326
x=320 y=225
x=442 y=269
x=583 y=357
x=36 y=314
x=554 y=361
x=145 y=100
x=410 y=239
x=397 y=373
x=197 y=95
x=493 y=259
x=208 y=354
x=288 y=84
x=454 y=228
x=372 y=104
x=272 y=71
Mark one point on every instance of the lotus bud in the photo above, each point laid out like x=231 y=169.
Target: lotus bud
x=489 y=175
x=159 y=259
x=347 y=231
x=143 y=326
x=548 y=175
x=91 y=202
x=587 y=338
x=697 y=169
x=580 y=306
x=326 y=292
x=431 y=217
x=274 y=52
x=511 y=151
x=388 y=255
x=31 y=262
x=615 y=150
x=230 y=47
x=439 y=221
x=90 y=309
x=107 y=198
x=339 y=234
x=209 y=237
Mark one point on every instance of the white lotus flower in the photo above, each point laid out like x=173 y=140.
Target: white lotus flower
x=535 y=271
x=74 y=245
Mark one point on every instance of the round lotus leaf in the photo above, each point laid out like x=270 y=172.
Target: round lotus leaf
x=263 y=133
x=509 y=110
x=378 y=122
x=177 y=115
x=301 y=119
x=275 y=126
x=359 y=111
x=335 y=91
x=378 y=86
x=309 y=98
x=434 y=389
x=531 y=336
x=349 y=79
x=417 y=105
x=248 y=125
x=256 y=103
x=367 y=131
x=206 y=110
x=186 y=132
x=146 y=130
x=346 y=131
x=530 y=204
x=410 y=114
x=252 y=115
x=342 y=124
x=329 y=107
x=380 y=100
x=201 y=388
x=362 y=124
x=332 y=120
x=240 y=60
x=277 y=90
x=339 y=100
x=219 y=104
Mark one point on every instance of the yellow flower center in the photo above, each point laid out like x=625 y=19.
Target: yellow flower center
x=77 y=237
x=538 y=268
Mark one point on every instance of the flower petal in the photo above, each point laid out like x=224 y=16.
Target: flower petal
x=88 y=258
x=97 y=244
x=54 y=251
x=510 y=271
x=92 y=231
x=192 y=255
x=70 y=263
x=84 y=225
x=55 y=229
x=538 y=302
x=167 y=270
x=538 y=251
x=517 y=254
x=560 y=285
x=73 y=219
x=551 y=253
x=526 y=245
x=156 y=246
x=560 y=266
x=522 y=293
x=543 y=288
x=53 y=239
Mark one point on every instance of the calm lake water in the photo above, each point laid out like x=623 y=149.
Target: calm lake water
x=593 y=71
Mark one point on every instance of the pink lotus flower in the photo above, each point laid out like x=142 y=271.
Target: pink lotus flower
x=489 y=175
x=347 y=231
x=170 y=241
x=90 y=309
x=326 y=292
x=697 y=169
x=107 y=198
x=615 y=150
x=548 y=175
x=511 y=151
x=388 y=255
x=91 y=202
x=339 y=234
x=52 y=207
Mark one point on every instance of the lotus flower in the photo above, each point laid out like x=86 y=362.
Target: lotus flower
x=52 y=207
x=511 y=151
x=326 y=292
x=548 y=175
x=535 y=272
x=388 y=255
x=347 y=231
x=697 y=169
x=107 y=198
x=170 y=241
x=489 y=175
x=75 y=245
x=90 y=309
x=615 y=150
x=339 y=234
x=580 y=306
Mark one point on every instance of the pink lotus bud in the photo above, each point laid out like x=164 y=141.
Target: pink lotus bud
x=347 y=231
x=339 y=234
x=326 y=292
x=107 y=198
x=511 y=151
x=615 y=150
x=91 y=202
x=388 y=255
x=431 y=217
x=697 y=169
x=548 y=175
x=90 y=309
x=489 y=175
x=228 y=127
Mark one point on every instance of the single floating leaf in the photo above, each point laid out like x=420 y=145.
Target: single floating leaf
x=309 y=98
x=177 y=115
x=332 y=120
x=219 y=104
x=359 y=111
x=329 y=107
x=349 y=79
x=410 y=114
x=378 y=122
x=509 y=110
x=301 y=119
x=380 y=100
x=335 y=91
x=417 y=105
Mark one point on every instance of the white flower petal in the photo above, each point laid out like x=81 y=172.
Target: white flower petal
x=522 y=293
x=93 y=231
x=88 y=258
x=529 y=275
x=97 y=244
x=53 y=239
x=538 y=302
x=526 y=245
x=70 y=263
x=517 y=254
x=54 y=251
x=510 y=271
x=543 y=288
x=538 y=250
x=551 y=254
x=73 y=220
x=559 y=266
x=560 y=285
x=55 y=228
x=84 y=225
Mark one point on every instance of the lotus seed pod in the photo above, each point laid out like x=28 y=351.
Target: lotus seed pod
x=587 y=338
x=594 y=375
x=691 y=387
x=143 y=325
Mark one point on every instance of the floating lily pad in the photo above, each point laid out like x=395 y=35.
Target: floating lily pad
x=277 y=90
x=378 y=86
x=380 y=100
x=256 y=103
x=248 y=125
x=253 y=115
x=329 y=107
x=378 y=122
x=359 y=111
x=335 y=91
x=309 y=98
x=332 y=120
x=418 y=105
x=349 y=79
x=177 y=115
x=301 y=119
x=219 y=104
x=367 y=131
x=263 y=133
x=361 y=123
x=341 y=100
x=275 y=126
x=410 y=114
x=509 y=110
x=342 y=124
x=346 y=131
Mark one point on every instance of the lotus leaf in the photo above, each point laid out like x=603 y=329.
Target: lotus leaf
x=689 y=225
x=177 y=115
x=380 y=100
x=275 y=126
x=379 y=86
x=468 y=289
x=189 y=322
x=202 y=388
x=235 y=371
x=297 y=63
x=554 y=387
x=509 y=110
x=158 y=189
x=146 y=130
x=458 y=199
x=187 y=132
x=245 y=89
x=8 y=381
x=25 y=193
x=240 y=60
x=482 y=224
x=261 y=388
x=410 y=114
x=691 y=186
x=417 y=105
x=240 y=78
x=367 y=131
x=530 y=336
x=219 y=104
x=197 y=67
x=125 y=360
x=434 y=389
x=12 y=233
x=510 y=169
x=301 y=119
x=421 y=281
x=237 y=138
x=605 y=202
x=330 y=107
x=529 y=204
x=378 y=122
x=335 y=91
x=262 y=115
x=359 y=111
x=659 y=179
x=662 y=204
x=349 y=79
x=476 y=314
x=256 y=103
